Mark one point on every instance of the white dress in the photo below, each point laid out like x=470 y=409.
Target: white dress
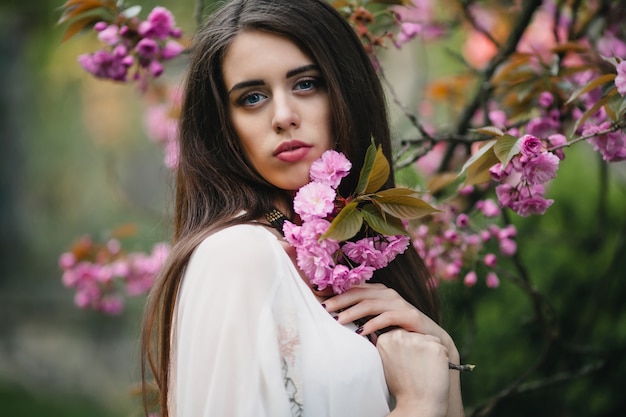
x=251 y=339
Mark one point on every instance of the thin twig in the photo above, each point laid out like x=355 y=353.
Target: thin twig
x=465 y=6
x=409 y=115
x=621 y=124
x=198 y=12
x=484 y=84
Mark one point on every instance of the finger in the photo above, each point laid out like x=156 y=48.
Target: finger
x=326 y=292
x=388 y=320
x=359 y=293
x=371 y=307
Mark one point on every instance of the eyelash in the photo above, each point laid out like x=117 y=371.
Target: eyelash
x=313 y=84
x=313 y=81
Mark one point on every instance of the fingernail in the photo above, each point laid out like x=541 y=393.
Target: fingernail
x=359 y=330
x=324 y=306
x=336 y=317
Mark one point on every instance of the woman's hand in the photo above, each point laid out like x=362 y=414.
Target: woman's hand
x=388 y=309
x=416 y=371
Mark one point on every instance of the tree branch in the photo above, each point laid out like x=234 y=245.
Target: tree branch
x=484 y=84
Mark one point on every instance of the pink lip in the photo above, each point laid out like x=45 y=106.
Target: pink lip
x=292 y=151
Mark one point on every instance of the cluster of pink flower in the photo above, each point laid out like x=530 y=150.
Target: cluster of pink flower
x=161 y=124
x=610 y=144
x=417 y=19
x=131 y=42
x=523 y=178
x=328 y=262
x=100 y=273
x=452 y=245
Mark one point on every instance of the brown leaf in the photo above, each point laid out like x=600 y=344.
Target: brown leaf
x=440 y=181
x=74 y=8
x=78 y=26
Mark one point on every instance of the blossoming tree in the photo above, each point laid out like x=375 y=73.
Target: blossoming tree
x=533 y=79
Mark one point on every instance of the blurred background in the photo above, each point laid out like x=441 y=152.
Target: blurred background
x=75 y=159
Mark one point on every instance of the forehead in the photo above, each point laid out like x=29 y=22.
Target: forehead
x=258 y=55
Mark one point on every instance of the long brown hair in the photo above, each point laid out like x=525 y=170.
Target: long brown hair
x=215 y=183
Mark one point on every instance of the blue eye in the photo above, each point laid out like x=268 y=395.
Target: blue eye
x=306 y=84
x=251 y=99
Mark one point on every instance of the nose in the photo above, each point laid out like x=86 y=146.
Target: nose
x=286 y=115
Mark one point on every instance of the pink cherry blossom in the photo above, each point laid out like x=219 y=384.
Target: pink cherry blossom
x=530 y=145
x=172 y=152
x=103 y=64
x=620 y=79
x=488 y=208
x=330 y=168
x=611 y=46
x=462 y=221
x=506 y=194
x=109 y=35
x=557 y=140
x=111 y=305
x=543 y=126
x=393 y=246
x=155 y=68
x=612 y=146
x=541 y=168
x=67 y=260
x=532 y=205
x=314 y=200
x=451 y=270
x=498 y=172
x=364 y=251
x=492 y=280
x=171 y=50
x=101 y=271
x=100 y=26
x=490 y=260
x=470 y=279
x=159 y=25
x=545 y=99
x=508 y=247
x=147 y=48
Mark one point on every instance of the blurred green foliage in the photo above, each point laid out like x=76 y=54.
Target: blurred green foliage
x=574 y=256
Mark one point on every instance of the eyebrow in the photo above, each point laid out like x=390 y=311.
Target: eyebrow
x=290 y=73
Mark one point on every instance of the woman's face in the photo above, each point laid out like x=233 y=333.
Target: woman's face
x=278 y=105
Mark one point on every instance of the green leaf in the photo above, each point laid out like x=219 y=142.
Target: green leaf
x=368 y=164
x=397 y=191
x=387 y=225
x=379 y=174
x=590 y=112
x=603 y=79
x=347 y=223
x=375 y=171
x=489 y=131
x=439 y=182
x=619 y=106
x=405 y=207
x=131 y=12
x=477 y=167
x=506 y=148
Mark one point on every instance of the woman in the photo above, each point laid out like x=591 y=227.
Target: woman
x=232 y=328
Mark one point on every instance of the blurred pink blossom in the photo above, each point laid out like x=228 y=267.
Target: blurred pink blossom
x=620 y=79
